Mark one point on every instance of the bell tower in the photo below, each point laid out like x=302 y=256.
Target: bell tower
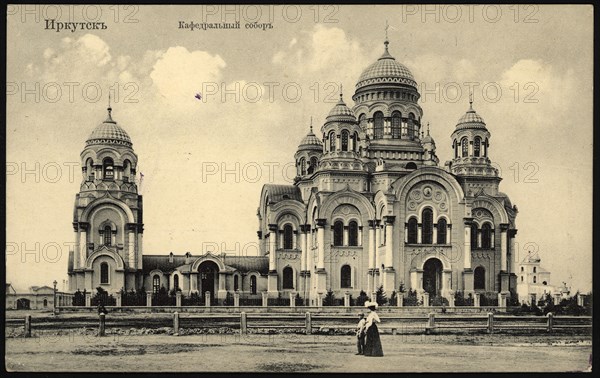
x=107 y=218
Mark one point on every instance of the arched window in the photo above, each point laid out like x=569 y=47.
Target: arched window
x=479 y=278
x=346 y=277
x=465 y=147
x=442 y=230
x=313 y=165
x=534 y=279
x=534 y=270
x=354 y=139
x=396 y=124
x=331 y=141
x=288 y=237
x=411 y=165
x=108 y=169
x=126 y=170
x=353 y=233
x=362 y=122
x=427 y=237
x=252 y=284
x=176 y=282
x=338 y=233
x=474 y=244
x=288 y=278
x=344 y=140
x=89 y=169
x=45 y=302
x=107 y=235
x=104 y=273
x=236 y=283
x=485 y=147
x=412 y=231
x=455 y=146
x=477 y=146
x=410 y=125
x=486 y=236
x=302 y=167
x=155 y=283
x=378 y=125
x=522 y=269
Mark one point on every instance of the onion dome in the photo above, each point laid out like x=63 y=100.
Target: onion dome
x=310 y=141
x=108 y=132
x=386 y=70
x=470 y=120
x=428 y=138
x=341 y=113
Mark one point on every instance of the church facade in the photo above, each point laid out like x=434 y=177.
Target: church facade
x=370 y=207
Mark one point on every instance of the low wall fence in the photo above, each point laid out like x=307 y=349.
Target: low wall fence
x=308 y=322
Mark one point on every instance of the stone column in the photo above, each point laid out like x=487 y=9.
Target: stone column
x=557 y=299
x=378 y=242
x=425 y=298
x=372 y=249
x=321 y=274
x=76 y=251
x=448 y=233
x=83 y=245
x=118 y=298
x=193 y=282
x=389 y=275
x=236 y=299
x=178 y=298
x=446 y=291
x=303 y=233
x=222 y=292
x=468 y=271
x=477 y=300
x=292 y=299
x=419 y=233
x=504 y=275
x=207 y=298
x=502 y=299
x=309 y=264
x=345 y=236
x=148 y=299
x=435 y=230
x=265 y=298
x=319 y=299
x=360 y=236
x=88 y=299
x=272 y=277
x=131 y=245
x=346 y=299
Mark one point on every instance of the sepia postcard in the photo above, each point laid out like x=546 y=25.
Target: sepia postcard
x=299 y=188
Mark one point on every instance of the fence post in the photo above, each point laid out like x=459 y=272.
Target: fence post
x=207 y=299
x=236 y=299
x=265 y=299
x=243 y=323
x=118 y=298
x=425 y=299
x=178 y=298
x=430 y=323
x=556 y=299
x=101 y=329
x=580 y=300
x=308 y=323
x=477 y=300
x=148 y=299
x=292 y=299
x=346 y=299
x=490 y=324
x=175 y=323
x=550 y=321
x=400 y=299
x=319 y=300
x=88 y=299
x=27 y=326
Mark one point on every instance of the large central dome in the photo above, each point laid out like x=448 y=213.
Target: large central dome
x=386 y=70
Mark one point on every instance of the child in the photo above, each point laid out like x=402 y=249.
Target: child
x=360 y=334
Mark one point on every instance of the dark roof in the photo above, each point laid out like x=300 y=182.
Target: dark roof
x=241 y=263
x=282 y=192
x=161 y=262
x=248 y=263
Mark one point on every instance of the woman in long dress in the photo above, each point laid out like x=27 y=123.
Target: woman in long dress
x=373 y=343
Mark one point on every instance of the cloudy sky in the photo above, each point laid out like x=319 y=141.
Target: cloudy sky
x=204 y=161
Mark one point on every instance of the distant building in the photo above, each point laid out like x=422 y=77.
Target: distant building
x=533 y=282
x=37 y=298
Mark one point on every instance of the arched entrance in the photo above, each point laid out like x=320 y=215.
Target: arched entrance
x=208 y=279
x=23 y=304
x=432 y=276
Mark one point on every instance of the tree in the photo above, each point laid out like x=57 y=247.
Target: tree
x=362 y=298
x=380 y=296
x=329 y=299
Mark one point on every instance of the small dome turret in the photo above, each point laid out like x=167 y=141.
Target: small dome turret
x=108 y=132
x=341 y=112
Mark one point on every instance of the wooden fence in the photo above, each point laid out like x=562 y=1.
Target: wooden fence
x=308 y=322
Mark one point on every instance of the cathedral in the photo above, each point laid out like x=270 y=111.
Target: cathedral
x=370 y=207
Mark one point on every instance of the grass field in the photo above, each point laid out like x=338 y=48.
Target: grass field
x=298 y=353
